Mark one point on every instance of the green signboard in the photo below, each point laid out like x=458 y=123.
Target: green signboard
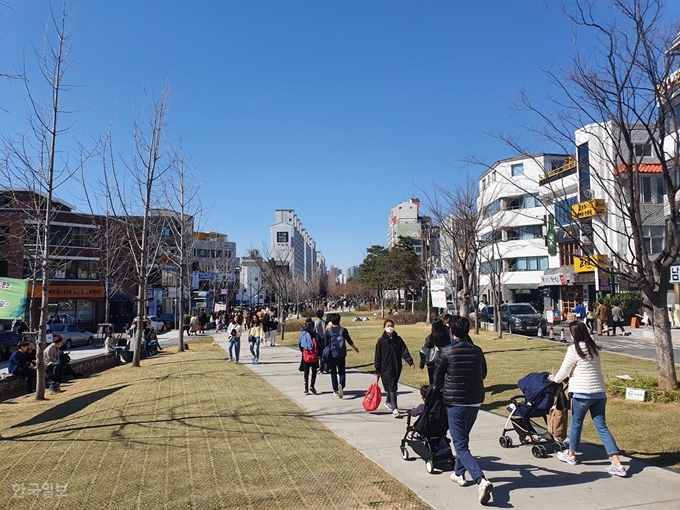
x=12 y=298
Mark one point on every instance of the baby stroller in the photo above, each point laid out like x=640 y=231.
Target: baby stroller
x=540 y=398
x=427 y=436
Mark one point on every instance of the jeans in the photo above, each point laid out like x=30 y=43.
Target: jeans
x=255 y=346
x=234 y=342
x=337 y=366
x=579 y=409
x=461 y=420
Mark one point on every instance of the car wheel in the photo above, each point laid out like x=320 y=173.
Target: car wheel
x=90 y=341
x=67 y=344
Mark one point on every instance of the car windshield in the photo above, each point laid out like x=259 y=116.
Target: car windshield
x=57 y=327
x=521 y=309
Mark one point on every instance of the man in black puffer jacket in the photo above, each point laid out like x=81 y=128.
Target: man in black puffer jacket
x=460 y=374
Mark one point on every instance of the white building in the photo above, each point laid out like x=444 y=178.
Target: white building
x=291 y=243
x=514 y=255
x=251 y=290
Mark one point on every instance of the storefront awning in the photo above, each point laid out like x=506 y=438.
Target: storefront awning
x=558 y=277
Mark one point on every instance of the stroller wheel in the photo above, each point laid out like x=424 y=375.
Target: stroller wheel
x=536 y=451
x=505 y=441
x=404 y=453
x=557 y=447
x=564 y=446
x=429 y=466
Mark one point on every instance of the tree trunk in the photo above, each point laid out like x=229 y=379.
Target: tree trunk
x=663 y=340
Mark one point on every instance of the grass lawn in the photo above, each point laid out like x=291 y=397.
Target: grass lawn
x=184 y=431
x=642 y=429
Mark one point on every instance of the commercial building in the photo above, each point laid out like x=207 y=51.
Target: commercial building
x=292 y=245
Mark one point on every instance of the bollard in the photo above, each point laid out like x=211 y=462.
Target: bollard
x=563 y=338
x=551 y=335
x=540 y=331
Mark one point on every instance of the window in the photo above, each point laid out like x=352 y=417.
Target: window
x=523 y=202
x=653 y=238
x=517 y=169
x=643 y=149
x=567 y=252
x=4 y=234
x=528 y=264
x=652 y=190
x=493 y=208
x=526 y=232
x=563 y=211
x=485 y=267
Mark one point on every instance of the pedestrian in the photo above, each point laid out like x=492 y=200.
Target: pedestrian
x=586 y=384
x=439 y=337
x=460 y=375
x=274 y=324
x=320 y=328
x=590 y=318
x=602 y=316
x=389 y=351
x=194 y=325
x=336 y=339
x=308 y=343
x=21 y=365
x=580 y=312
x=618 y=320
x=254 y=336
x=234 y=330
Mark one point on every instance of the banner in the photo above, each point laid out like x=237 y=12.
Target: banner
x=438 y=298
x=13 y=295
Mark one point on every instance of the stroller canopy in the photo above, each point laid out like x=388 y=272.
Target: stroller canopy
x=539 y=393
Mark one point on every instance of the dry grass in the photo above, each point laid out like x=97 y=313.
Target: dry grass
x=186 y=430
x=646 y=430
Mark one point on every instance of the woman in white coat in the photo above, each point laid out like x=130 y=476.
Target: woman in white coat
x=586 y=384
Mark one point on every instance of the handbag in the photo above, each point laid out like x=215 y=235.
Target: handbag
x=429 y=355
x=558 y=416
x=373 y=396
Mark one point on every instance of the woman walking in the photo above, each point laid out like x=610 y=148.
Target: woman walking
x=582 y=365
x=309 y=346
x=254 y=335
x=439 y=337
x=389 y=352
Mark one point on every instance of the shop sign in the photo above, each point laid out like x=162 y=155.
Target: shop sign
x=588 y=209
x=77 y=291
x=675 y=274
x=553 y=280
x=587 y=264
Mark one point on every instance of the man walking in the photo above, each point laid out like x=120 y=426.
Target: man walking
x=320 y=329
x=460 y=375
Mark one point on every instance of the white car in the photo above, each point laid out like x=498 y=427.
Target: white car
x=156 y=323
x=72 y=334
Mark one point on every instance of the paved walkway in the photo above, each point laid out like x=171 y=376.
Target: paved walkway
x=520 y=480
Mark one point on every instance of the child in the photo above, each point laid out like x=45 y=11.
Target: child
x=419 y=409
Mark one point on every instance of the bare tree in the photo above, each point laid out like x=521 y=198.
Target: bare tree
x=183 y=196
x=622 y=97
x=137 y=191
x=32 y=159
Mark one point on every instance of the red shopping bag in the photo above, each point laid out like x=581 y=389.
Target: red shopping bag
x=373 y=397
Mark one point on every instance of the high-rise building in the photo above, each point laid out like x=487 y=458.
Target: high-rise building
x=405 y=221
x=290 y=243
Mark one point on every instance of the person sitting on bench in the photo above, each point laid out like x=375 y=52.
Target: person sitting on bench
x=20 y=365
x=55 y=365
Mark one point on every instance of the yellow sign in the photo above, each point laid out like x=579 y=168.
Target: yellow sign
x=588 y=209
x=587 y=264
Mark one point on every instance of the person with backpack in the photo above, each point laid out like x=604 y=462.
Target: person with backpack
x=335 y=353
x=320 y=328
x=439 y=337
x=308 y=343
x=389 y=351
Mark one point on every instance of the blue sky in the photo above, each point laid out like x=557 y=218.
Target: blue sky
x=337 y=109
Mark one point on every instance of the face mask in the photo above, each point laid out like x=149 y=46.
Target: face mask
x=389 y=329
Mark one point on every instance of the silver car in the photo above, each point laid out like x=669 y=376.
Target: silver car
x=72 y=334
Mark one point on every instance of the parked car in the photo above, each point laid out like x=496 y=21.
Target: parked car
x=522 y=317
x=487 y=314
x=8 y=343
x=156 y=323
x=72 y=334
x=169 y=320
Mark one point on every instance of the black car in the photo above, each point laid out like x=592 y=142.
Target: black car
x=487 y=314
x=8 y=343
x=522 y=318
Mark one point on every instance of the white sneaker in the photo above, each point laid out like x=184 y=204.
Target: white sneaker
x=484 y=488
x=565 y=457
x=340 y=392
x=460 y=480
x=616 y=470
x=230 y=359
x=388 y=406
x=395 y=413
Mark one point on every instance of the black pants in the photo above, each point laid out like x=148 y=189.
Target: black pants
x=56 y=372
x=310 y=367
x=30 y=377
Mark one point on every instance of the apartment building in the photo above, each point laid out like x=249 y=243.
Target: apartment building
x=291 y=244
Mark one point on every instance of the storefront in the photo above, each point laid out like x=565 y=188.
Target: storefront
x=79 y=304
